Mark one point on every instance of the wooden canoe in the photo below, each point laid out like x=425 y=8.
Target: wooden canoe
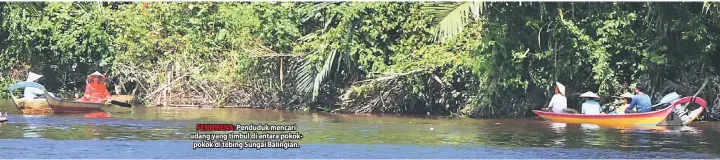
x=41 y=106
x=630 y=119
x=59 y=105
x=56 y=105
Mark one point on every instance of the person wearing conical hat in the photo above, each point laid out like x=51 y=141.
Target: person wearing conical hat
x=95 y=90
x=31 y=92
x=558 y=103
x=622 y=103
x=590 y=106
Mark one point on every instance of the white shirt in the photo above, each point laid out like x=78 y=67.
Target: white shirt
x=591 y=107
x=558 y=103
x=32 y=93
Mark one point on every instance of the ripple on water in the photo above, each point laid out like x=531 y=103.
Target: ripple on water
x=334 y=132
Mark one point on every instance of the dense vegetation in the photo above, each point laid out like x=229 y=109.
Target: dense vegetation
x=469 y=59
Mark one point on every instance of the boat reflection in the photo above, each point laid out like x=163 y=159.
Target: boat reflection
x=589 y=127
x=31 y=131
x=558 y=127
x=689 y=129
x=91 y=131
x=97 y=115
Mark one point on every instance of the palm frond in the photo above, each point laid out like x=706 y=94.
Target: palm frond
x=706 y=6
x=304 y=80
x=324 y=72
x=332 y=66
x=453 y=17
x=346 y=49
x=32 y=7
x=308 y=37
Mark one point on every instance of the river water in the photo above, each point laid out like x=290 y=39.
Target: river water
x=145 y=132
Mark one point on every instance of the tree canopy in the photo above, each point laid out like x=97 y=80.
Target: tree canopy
x=478 y=59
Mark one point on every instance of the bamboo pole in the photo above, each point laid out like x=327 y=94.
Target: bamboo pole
x=167 y=81
x=281 y=73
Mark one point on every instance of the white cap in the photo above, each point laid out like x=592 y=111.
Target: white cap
x=589 y=95
x=561 y=88
x=32 y=77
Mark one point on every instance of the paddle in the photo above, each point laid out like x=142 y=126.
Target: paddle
x=121 y=104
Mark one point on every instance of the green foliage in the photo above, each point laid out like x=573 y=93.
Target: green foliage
x=64 y=42
x=480 y=59
x=453 y=17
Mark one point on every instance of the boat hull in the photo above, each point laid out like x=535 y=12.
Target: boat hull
x=33 y=106
x=32 y=103
x=650 y=118
x=682 y=114
x=629 y=119
x=63 y=106
x=73 y=109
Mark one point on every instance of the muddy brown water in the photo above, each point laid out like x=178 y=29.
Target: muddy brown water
x=148 y=132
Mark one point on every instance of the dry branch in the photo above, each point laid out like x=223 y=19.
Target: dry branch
x=389 y=77
x=701 y=88
x=166 y=86
x=278 y=55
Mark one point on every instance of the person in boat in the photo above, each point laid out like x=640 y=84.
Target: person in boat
x=95 y=90
x=590 y=106
x=619 y=106
x=641 y=101
x=558 y=103
x=3 y=117
x=31 y=92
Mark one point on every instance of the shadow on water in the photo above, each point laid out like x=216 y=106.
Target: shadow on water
x=149 y=123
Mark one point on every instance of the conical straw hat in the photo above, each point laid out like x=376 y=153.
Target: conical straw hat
x=589 y=95
x=32 y=77
x=627 y=95
x=96 y=73
x=560 y=87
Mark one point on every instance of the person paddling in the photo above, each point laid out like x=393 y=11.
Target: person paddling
x=95 y=90
x=590 y=106
x=31 y=92
x=640 y=100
